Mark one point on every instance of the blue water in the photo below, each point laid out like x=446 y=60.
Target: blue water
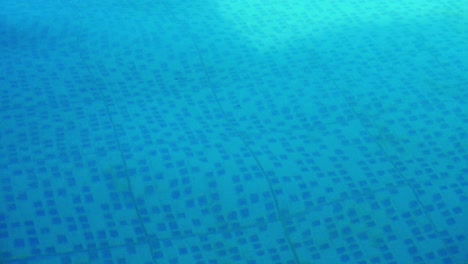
x=212 y=131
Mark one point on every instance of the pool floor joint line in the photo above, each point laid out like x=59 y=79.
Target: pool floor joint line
x=117 y=141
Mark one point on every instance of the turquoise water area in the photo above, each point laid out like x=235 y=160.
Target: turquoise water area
x=214 y=131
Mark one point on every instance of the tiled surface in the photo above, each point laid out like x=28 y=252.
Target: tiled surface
x=370 y=229
x=233 y=132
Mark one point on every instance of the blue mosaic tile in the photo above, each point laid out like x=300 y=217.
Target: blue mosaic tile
x=283 y=109
x=114 y=255
x=322 y=166
x=215 y=132
x=261 y=244
x=60 y=169
x=423 y=138
x=150 y=118
x=438 y=198
x=186 y=187
x=385 y=227
x=55 y=211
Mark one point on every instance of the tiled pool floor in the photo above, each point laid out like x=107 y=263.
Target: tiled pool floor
x=212 y=131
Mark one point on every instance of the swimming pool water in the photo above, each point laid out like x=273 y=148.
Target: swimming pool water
x=211 y=131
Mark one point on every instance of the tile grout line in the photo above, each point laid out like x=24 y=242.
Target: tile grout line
x=242 y=138
x=382 y=149
x=117 y=140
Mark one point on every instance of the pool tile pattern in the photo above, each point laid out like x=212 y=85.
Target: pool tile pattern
x=233 y=132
